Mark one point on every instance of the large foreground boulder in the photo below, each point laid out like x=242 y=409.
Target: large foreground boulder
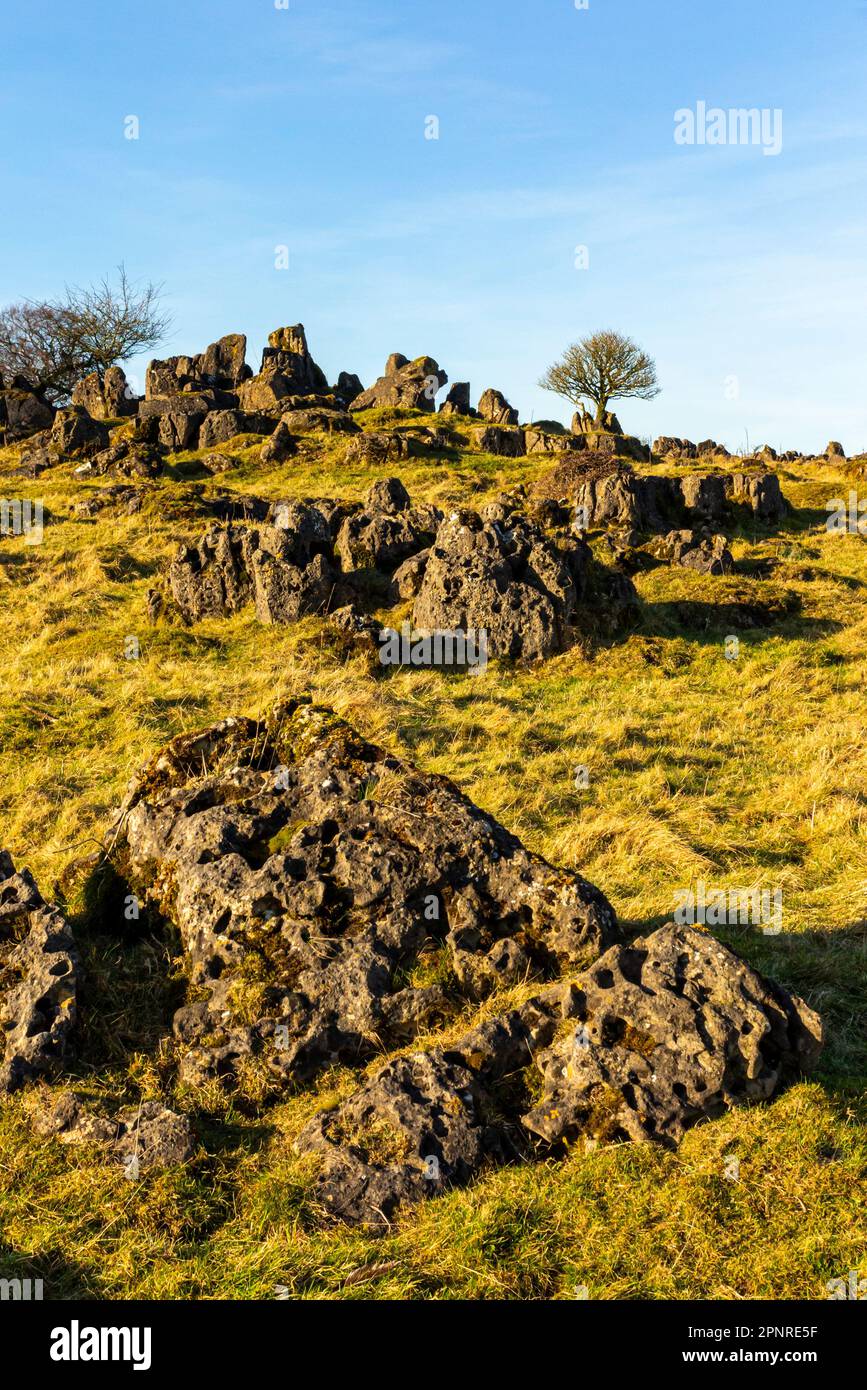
x=331 y=899
x=671 y=1029
x=38 y=981
x=505 y=577
x=653 y=1038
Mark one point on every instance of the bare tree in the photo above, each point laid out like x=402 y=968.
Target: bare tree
x=54 y=344
x=602 y=368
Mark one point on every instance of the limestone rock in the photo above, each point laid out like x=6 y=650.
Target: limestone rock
x=696 y=550
x=333 y=868
x=288 y=353
x=106 y=398
x=387 y=530
x=280 y=446
x=503 y=440
x=494 y=407
x=671 y=1029
x=510 y=580
x=23 y=412
x=410 y=385
x=457 y=402
x=285 y=569
x=221 y=366
x=346 y=390
x=74 y=433
x=39 y=980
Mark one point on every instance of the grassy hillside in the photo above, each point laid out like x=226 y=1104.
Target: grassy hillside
x=741 y=773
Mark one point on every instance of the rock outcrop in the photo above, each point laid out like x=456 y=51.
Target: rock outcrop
x=221 y=366
x=106 y=397
x=509 y=579
x=387 y=531
x=318 y=884
x=670 y=1029
x=285 y=569
x=287 y=353
x=23 y=411
x=653 y=1038
x=38 y=981
x=494 y=407
x=406 y=385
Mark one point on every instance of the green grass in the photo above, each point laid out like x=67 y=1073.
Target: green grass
x=752 y=772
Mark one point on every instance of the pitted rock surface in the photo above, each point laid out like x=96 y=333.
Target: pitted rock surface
x=310 y=873
x=508 y=578
x=671 y=1029
x=424 y=1122
x=653 y=1038
x=387 y=531
x=38 y=980
x=407 y=385
x=285 y=569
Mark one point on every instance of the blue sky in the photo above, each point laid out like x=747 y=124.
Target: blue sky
x=305 y=127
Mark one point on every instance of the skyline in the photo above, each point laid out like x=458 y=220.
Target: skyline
x=305 y=127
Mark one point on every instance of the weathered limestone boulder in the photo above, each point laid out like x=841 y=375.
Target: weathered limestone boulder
x=179 y=418
x=220 y=425
x=668 y=447
x=105 y=398
x=767 y=454
x=281 y=445
x=144 y=1137
x=410 y=385
x=387 y=530
x=38 y=981
x=655 y=1037
x=265 y=391
x=346 y=390
x=708 y=448
x=585 y=423
x=408 y=577
x=619 y=497
x=287 y=352
x=457 y=402
x=503 y=440
x=510 y=580
x=221 y=366
x=696 y=550
x=130 y=459
x=704 y=496
x=671 y=1029
x=494 y=407
x=424 y=1122
x=761 y=493
x=74 y=433
x=319 y=422
x=309 y=873
x=23 y=412
x=834 y=450
x=537 y=441
x=285 y=569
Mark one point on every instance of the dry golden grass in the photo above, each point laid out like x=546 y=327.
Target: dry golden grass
x=746 y=773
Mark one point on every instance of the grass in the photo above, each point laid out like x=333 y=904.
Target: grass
x=742 y=773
